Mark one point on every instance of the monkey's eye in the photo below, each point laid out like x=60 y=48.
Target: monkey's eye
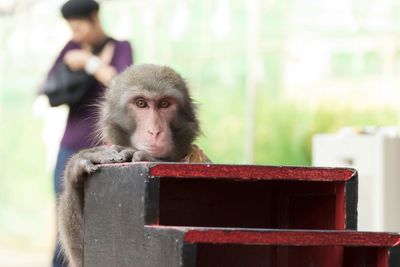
x=141 y=103
x=164 y=104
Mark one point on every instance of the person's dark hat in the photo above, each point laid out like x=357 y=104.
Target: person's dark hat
x=78 y=8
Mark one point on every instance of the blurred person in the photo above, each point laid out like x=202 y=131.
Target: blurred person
x=100 y=56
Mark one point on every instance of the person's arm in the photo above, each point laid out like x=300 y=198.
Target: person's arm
x=80 y=59
x=122 y=52
x=100 y=66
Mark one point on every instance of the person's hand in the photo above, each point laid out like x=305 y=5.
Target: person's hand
x=76 y=59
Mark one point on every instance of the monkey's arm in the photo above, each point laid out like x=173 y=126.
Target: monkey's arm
x=70 y=224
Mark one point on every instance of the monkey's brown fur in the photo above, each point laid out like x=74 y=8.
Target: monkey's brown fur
x=116 y=128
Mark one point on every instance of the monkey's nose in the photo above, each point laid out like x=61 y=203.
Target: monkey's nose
x=153 y=133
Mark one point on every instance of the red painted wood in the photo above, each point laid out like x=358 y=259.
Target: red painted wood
x=246 y=247
x=216 y=255
x=382 y=258
x=293 y=237
x=251 y=204
x=247 y=172
x=324 y=256
x=210 y=255
x=340 y=207
x=365 y=256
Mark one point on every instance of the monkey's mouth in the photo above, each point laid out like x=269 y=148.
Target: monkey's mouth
x=157 y=150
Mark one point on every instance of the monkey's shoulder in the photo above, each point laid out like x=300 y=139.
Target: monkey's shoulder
x=196 y=155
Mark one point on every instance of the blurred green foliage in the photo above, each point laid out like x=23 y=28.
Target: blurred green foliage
x=285 y=129
x=25 y=190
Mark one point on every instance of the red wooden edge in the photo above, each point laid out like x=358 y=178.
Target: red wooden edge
x=293 y=238
x=250 y=172
x=284 y=237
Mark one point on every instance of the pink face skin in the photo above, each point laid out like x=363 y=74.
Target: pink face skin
x=153 y=115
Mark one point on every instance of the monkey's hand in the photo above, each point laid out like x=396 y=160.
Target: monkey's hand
x=86 y=161
x=134 y=155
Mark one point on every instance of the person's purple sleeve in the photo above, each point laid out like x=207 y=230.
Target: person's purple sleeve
x=69 y=46
x=123 y=56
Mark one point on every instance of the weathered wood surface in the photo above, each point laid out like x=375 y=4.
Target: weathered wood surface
x=252 y=172
x=114 y=222
x=256 y=196
x=132 y=212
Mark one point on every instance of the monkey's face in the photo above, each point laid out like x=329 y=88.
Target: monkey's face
x=148 y=107
x=153 y=114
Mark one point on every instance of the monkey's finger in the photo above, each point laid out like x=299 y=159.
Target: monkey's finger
x=90 y=168
x=110 y=156
x=85 y=167
x=81 y=169
x=128 y=153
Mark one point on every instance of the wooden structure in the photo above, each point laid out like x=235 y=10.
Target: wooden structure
x=158 y=214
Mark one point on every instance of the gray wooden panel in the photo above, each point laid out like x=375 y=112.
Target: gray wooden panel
x=114 y=222
x=351 y=198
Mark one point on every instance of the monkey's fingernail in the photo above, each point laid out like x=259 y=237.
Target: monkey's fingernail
x=117 y=159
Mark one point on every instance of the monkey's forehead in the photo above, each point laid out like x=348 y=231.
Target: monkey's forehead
x=150 y=74
x=140 y=91
x=150 y=81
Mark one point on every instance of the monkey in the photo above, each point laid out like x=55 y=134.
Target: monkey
x=146 y=114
